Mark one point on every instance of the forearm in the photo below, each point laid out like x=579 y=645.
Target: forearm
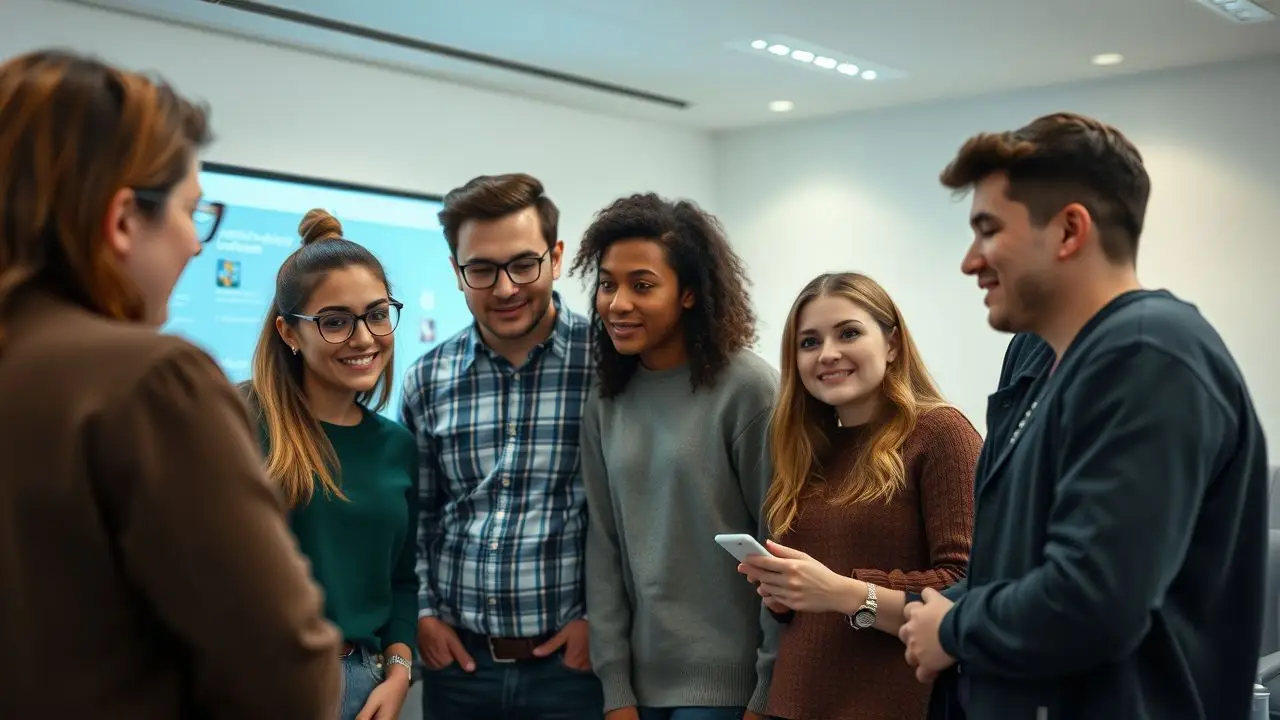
x=889 y=604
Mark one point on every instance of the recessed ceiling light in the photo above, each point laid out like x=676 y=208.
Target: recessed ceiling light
x=868 y=74
x=847 y=69
x=802 y=55
x=779 y=49
x=759 y=44
x=1108 y=59
x=782 y=106
x=825 y=63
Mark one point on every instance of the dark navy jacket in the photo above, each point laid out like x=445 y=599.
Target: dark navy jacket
x=1120 y=534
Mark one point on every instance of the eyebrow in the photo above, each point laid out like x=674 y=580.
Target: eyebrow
x=526 y=255
x=344 y=308
x=639 y=272
x=850 y=322
x=981 y=218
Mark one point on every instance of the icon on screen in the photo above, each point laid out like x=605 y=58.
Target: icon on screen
x=428 y=333
x=229 y=273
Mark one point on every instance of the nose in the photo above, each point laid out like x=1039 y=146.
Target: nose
x=504 y=288
x=620 y=303
x=361 y=336
x=973 y=262
x=829 y=354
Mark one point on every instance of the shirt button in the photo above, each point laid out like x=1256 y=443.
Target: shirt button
x=498 y=515
x=511 y=429
x=493 y=601
x=506 y=482
x=493 y=546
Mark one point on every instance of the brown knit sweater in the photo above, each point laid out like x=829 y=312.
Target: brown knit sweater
x=825 y=669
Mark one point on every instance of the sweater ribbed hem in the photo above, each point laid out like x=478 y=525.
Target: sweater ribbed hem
x=676 y=684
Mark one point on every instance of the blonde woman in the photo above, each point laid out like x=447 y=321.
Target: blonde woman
x=871 y=500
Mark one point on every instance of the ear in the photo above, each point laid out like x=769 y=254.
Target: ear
x=1077 y=225
x=457 y=274
x=894 y=340
x=286 y=332
x=120 y=224
x=557 y=256
x=687 y=299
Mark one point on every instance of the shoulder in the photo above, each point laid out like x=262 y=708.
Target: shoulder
x=1155 y=331
x=750 y=373
x=444 y=359
x=1027 y=354
x=944 y=438
x=392 y=434
x=943 y=421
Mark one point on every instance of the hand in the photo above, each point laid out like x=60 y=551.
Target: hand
x=439 y=645
x=385 y=701
x=920 y=634
x=623 y=713
x=798 y=582
x=573 y=638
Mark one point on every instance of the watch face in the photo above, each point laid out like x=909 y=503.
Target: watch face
x=864 y=619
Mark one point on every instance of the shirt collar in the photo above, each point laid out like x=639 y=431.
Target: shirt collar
x=557 y=342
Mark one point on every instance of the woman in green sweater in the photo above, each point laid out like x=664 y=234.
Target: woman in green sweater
x=674 y=451
x=321 y=372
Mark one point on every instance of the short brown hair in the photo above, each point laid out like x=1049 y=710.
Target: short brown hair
x=489 y=197
x=1061 y=159
x=74 y=132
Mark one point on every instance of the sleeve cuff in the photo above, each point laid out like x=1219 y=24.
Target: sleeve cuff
x=617 y=690
x=425 y=612
x=948 y=634
x=759 y=699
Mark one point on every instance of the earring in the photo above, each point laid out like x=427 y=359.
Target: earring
x=294 y=349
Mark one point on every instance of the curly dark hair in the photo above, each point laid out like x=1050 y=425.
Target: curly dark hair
x=721 y=321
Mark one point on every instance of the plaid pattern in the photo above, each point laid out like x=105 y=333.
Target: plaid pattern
x=503 y=520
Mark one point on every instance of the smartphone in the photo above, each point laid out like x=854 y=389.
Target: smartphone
x=740 y=545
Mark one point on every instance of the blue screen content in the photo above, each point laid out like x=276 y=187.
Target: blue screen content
x=222 y=299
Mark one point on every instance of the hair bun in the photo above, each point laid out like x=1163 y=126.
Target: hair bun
x=319 y=225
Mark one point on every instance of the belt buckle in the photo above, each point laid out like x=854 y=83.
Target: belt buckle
x=488 y=639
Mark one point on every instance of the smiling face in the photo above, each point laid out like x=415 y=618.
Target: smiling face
x=356 y=364
x=507 y=309
x=842 y=354
x=1013 y=260
x=639 y=300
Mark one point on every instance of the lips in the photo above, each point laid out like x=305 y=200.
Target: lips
x=359 y=362
x=624 y=329
x=510 y=311
x=834 y=376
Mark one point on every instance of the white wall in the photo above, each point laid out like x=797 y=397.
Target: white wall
x=861 y=192
x=290 y=111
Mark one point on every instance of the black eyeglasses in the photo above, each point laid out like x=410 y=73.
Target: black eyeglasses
x=338 y=326
x=207 y=215
x=521 y=271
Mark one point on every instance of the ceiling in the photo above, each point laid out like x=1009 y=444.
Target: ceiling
x=698 y=52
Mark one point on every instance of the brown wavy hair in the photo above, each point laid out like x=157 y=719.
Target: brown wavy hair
x=721 y=321
x=802 y=426
x=74 y=132
x=300 y=454
x=490 y=197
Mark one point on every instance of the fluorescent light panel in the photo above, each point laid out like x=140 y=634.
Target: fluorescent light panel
x=817 y=60
x=1239 y=11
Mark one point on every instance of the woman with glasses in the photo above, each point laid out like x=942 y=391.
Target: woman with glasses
x=322 y=371
x=143 y=551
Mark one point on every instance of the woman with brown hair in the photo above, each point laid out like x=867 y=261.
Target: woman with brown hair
x=146 y=566
x=871 y=500
x=321 y=372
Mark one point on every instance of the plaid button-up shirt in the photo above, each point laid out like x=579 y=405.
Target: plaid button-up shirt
x=503 y=515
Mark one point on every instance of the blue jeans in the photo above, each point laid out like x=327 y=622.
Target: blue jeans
x=360 y=675
x=692 y=713
x=541 y=689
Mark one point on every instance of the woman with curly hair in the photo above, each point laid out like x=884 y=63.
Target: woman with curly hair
x=674 y=451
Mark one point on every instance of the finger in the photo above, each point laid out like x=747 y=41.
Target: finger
x=437 y=655
x=555 y=643
x=909 y=610
x=782 y=551
x=764 y=562
x=904 y=634
x=368 y=711
x=459 y=653
x=929 y=595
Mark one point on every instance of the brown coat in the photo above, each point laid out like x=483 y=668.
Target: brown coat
x=825 y=669
x=146 y=570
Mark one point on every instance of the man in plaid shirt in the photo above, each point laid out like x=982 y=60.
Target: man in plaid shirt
x=496 y=409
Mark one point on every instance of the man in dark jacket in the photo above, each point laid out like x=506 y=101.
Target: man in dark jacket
x=1117 y=568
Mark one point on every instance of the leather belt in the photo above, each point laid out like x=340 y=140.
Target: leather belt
x=511 y=649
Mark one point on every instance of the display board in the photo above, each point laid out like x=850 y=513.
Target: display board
x=221 y=300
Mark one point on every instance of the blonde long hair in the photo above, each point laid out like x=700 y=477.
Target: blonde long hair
x=802 y=426
x=301 y=456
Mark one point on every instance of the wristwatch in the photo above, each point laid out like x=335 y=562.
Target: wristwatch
x=865 y=616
